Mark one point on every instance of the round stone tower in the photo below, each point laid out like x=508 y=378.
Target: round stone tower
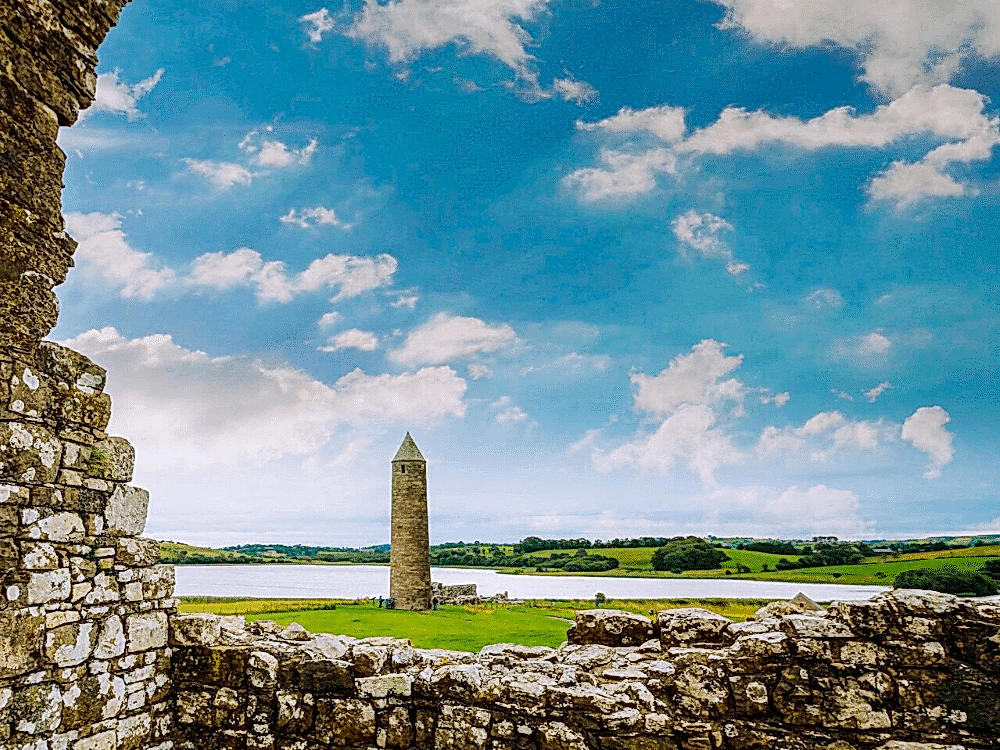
x=409 y=558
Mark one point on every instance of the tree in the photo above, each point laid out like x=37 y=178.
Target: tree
x=992 y=568
x=947 y=580
x=688 y=553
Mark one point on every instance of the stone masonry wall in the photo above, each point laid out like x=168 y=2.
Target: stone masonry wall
x=908 y=670
x=83 y=607
x=47 y=50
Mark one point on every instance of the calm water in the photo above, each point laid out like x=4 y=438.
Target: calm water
x=359 y=581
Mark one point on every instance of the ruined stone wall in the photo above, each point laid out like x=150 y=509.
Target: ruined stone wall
x=83 y=607
x=84 y=661
x=906 y=671
x=48 y=52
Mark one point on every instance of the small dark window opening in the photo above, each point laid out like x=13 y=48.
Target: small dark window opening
x=402 y=468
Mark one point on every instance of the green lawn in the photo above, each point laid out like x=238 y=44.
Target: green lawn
x=541 y=623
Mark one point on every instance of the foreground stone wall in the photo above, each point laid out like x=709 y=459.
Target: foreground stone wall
x=84 y=663
x=906 y=671
x=48 y=50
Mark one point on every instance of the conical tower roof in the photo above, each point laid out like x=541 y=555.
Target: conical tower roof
x=409 y=451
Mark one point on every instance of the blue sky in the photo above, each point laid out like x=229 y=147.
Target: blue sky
x=720 y=267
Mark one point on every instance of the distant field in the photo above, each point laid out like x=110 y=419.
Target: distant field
x=539 y=623
x=640 y=558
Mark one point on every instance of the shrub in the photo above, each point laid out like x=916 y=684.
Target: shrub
x=992 y=568
x=947 y=580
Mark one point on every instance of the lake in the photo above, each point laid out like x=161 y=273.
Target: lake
x=365 y=581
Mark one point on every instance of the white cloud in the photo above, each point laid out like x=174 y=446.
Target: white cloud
x=824 y=434
x=901 y=42
x=318 y=216
x=684 y=397
x=623 y=174
x=573 y=363
x=821 y=298
x=104 y=253
x=791 y=513
x=406 y=301
x=508 y=412
x=873 y=394
x=222 y=174
x=445 y=337
x=351 y=275
x=778 y=399
x=277 y=155
x=571 y=90
x=478 y=371
x=408 y=28
x=700 y=232
x=317 y=23
x=870 y=349
x=693 y=379
x=225 y=270
x=182 y=407
x=956 y=116
x=352 y=338
x=664 y=122
x=687 y=436
x=118 y=97
x=328 y=319
x=925 y=430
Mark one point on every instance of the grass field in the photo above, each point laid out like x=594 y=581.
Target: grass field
x=640 y=559
x=466 y=628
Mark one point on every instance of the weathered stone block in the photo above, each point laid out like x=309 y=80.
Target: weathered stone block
x=385 y=686
x=326 y=676
x=36 y=709
x=70 y=644
x=50 y=586
x=110 y=638
x=137 y=553
x=691 y=626
x=126 y=510
x=195 y=629
x=146 y=631
x=21 y=634
x=112 y=459
x=29 y=453
x=610 y=627
x=345 y=722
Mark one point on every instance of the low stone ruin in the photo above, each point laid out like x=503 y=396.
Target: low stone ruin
x=466 y=593
x=908 y=670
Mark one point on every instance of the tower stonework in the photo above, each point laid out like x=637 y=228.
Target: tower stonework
x=409 y=558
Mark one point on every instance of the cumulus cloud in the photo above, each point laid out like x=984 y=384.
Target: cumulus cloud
x=115 y=96
x=406 y=301
x=824 y=434
x=943 y=113
x=222 y=174
x=350 y=275
x=490 y=28
x=104 y=253
x=925 y=430
x=508 y=412
x=901 y=43
x=446 y=337
x=623 y=175
x=352 y=338
x=317 y=216
x=873 y=394
x=778 y=399
x=685 y=399
x=479 y=371
x=700 y=232
x=328 y=319
x=275 y=154
x=317 y=24
x=182 y=407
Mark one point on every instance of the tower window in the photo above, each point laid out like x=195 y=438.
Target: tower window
x=402 y=468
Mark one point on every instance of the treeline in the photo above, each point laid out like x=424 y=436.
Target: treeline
x=950 y=580
x=688 y=553
x=495 y=557
x=824 y=555
x=535 y=544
